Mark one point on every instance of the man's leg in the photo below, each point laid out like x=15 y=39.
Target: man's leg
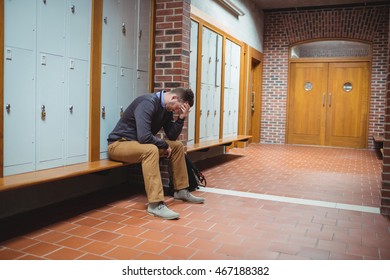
x=148 y=155
x=178 y=169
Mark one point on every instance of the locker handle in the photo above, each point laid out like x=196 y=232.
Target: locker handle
x=208 y=112
x=123 y=28
x=8 y=108
x=215 y=113
x=73 y=9
x=43 y=112
x=330 y=99
x=200 y=112
x=44 y=2
x=71 y=109
x=103 y=112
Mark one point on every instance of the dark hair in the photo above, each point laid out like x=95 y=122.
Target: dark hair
x=185 y=95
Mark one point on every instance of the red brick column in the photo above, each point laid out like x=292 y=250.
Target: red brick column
x=172 y=53
x=385 y=191
x=172 y=44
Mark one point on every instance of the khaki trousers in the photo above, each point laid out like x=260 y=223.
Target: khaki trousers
x=149 y=155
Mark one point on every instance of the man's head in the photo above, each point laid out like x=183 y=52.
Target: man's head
x=177 y=97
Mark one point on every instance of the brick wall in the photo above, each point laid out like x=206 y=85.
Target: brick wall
x=283 y=28
x=172 y=53
x=385 y=192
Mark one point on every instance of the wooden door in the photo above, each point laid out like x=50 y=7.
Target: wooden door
x=347 y=109
x=328 y=104
x=307 y=98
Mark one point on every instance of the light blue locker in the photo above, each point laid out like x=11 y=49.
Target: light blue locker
x=109 y=112
x=126 y=87
x=79 y=29
x=50 y=104
x=128 y=36
x=110 y=32
x=142 y=83
x=19 y=113
x=236 y=57
x=205 y=55
x=212 y=50
x=51 y=26
x=20 y=23
x=192 y=79
x=203 y=112
x=77 y=111
x=143 y=45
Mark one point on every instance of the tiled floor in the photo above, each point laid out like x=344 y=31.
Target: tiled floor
x=262 y=202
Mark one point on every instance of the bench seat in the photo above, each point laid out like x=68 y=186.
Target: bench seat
x=227 y=141
x=58 y=173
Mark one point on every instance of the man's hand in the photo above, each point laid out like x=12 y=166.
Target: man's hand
x=185 y=110
x=168 y=152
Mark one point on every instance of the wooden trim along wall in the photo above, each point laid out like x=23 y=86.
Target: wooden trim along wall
x=95 y=80
x=1 y=88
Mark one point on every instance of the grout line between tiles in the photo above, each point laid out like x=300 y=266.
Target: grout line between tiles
x=309 y=202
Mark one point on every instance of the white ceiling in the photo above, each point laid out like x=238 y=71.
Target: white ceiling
x=283 y=4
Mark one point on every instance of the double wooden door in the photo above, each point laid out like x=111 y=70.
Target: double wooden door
x=328 y=104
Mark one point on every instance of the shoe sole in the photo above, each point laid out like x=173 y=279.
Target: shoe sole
x=161 y=217
x=189 y=201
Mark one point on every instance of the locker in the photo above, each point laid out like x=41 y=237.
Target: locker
x=142 y=83
x=110 y=32
x=143 y=45
x=216 y=112
x=203 y=112
x=20 y=24
x=19 y=114
x=218 y=65
x=205 y=54
x=192 y=79
x=126 y=87
x=212 y=53
x=128 y=37
x=109 y=113
x=51 y=26
x=79 y=29
x=50 y=119
x=77 y=111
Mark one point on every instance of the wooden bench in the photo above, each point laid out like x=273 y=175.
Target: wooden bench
x=64 y=172
x=227 y=141
x=378 y=141
x=53 y=174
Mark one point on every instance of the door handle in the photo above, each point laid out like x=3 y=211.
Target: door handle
x=8 y=108
x=330 y=99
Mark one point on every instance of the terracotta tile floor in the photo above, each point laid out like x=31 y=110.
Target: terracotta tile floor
x=237 y=225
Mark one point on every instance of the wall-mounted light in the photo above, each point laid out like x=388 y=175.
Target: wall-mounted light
x=232 y=6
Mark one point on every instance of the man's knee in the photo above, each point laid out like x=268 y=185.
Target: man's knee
x=176 y=145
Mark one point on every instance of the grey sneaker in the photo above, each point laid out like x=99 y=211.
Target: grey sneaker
x=185 y=195
x=159 y=209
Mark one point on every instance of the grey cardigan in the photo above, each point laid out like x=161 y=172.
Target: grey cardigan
x=143 y=119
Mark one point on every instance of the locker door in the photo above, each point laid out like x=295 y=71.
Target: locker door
x=227 y=85
x=142 y=83
x=19 y=24
x=205 y=55
x=128 y=37
x=109 y=113
x=143 y=45
x=203 y=112
x=192 y=79
x=79 y=29
x=50 y=119
x=216 y=113
x=77 y=111
x=110 y=32
x=209 y=112
x=19 y=114
x=51 y=26
x=236 y=55
x=125 y=89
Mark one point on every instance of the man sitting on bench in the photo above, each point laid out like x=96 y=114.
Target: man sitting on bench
x=134 y=140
